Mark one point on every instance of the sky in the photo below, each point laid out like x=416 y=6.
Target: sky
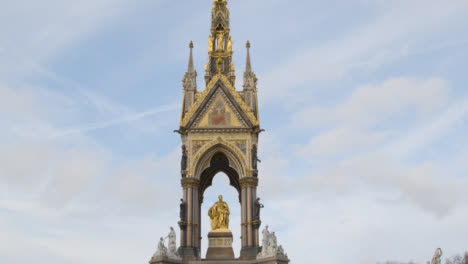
x=364 y=103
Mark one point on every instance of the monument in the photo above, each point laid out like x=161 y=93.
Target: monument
x=219 y=129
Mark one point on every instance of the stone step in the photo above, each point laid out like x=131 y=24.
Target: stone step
x=232 y=261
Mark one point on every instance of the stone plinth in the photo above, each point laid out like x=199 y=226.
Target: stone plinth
x=164 y=260
x=273 y=260
x=220 y=246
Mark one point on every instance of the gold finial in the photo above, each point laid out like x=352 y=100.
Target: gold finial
x=248 y=44
x=191 y=45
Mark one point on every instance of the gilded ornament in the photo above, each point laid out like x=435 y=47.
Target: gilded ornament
x=210 y=43
x=220 y=39
x=229 y=44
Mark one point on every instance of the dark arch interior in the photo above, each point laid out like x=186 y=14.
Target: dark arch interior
x=221 y=187
x=218 y=163
x=220 y=27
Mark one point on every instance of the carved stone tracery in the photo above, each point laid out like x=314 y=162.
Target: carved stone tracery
x=249 y=182
x=190 y=182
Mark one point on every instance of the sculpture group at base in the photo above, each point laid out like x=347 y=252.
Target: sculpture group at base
x=270 y=246
x=219 y=216
x=167 y=252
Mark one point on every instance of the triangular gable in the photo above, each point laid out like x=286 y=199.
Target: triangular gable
x=219 y=90
x=219 y=113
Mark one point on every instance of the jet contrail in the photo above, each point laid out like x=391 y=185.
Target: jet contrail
x=117 y=121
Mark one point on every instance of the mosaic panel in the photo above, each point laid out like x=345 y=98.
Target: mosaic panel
x=197 y=145
x=241 y=144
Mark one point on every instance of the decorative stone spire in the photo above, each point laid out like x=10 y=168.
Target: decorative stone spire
x=248 y=66
x=250 y=83
x=190 y=64
x=220 y=43
x=190 y=83
x=190 y=78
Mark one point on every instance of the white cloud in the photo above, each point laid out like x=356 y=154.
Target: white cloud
x=431 y=131
x=413 y=184
x=341 y=141
x=361 y=229
x=273 y=167
x=351 y=124
x=355 y=154
x=40 y=30
x=370 y=103
x=395 y=33
x=149 y=184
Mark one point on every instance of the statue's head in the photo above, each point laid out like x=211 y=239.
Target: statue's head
x=220 y=198
x=172 y=228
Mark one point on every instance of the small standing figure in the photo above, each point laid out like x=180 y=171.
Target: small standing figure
x=172 y=247
x=182 y=210
x=437 y=255
x=162 y=250
x=257 y=208
x=210 y=43
x=281 y=250
x=272 y=244
x=265 y=240
x=220 y=39
x=183 y=161
x=254 y=157
x=229 y=44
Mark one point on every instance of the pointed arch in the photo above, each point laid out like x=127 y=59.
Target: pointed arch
x=219 y=156
x=201 y=160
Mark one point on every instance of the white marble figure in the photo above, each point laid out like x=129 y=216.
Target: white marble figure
x=437 y=255
x=162 y=250
x=265 y=234
x=270 y=246
x=280 y=250
x=172 y=247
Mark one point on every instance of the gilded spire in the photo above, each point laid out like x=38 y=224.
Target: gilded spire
x=220 y=44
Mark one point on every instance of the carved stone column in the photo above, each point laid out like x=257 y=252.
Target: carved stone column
x=250 y=246
x=190 y=229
